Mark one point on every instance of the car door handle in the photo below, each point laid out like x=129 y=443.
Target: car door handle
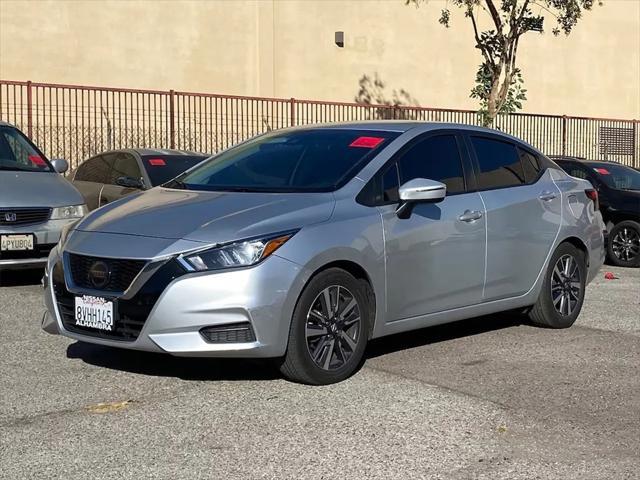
x=547 y=196
x=470 y=216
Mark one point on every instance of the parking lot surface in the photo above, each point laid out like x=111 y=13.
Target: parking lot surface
x=487 y=398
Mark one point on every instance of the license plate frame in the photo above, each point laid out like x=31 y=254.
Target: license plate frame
x=17 y=242
x=96 y=313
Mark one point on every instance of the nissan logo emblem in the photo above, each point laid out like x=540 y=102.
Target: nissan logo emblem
x=99 y=274
x=10 y=217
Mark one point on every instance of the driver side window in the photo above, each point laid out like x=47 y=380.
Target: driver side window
x=435 y=158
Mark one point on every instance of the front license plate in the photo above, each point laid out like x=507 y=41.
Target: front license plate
x=94 y=312
x=16 y=242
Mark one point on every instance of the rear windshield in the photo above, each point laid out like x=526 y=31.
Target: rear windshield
x=291 y=161
x=162 y=168
x=19 y=154
x=619 y=176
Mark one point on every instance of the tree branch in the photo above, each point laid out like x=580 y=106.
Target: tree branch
x=495 y=15
x=479 y=44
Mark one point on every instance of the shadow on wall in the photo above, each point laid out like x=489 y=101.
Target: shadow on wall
x=373 y=91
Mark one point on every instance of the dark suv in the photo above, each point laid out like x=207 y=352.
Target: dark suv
x=618 y=188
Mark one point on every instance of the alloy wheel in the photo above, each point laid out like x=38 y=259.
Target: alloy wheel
x=566 y=286
x=333 y=327
x=626 y=244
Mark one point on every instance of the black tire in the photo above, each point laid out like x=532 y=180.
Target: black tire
x=345 y=356
x=546 y=312
x=623 y=247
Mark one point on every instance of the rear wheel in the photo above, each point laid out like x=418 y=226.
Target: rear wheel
x=562 y=295
x=329 y=329
x=623 y=248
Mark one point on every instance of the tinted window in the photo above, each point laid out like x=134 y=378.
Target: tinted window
x=618 y=176
x=95 y=169
x=390 y=184
x=499 y=163
x=575 y=171
x=124 y=165
x=17 y=153
x=162 y=168
x=436 y=158
x=298 y=160
x=530 y=165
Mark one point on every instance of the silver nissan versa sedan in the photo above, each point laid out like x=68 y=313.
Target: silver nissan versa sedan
x=303 y=244
x=36 y=202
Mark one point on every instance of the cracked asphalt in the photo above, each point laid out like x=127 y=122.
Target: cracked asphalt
x=487 y=398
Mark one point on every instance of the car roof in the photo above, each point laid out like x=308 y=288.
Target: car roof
x=146 y=152
x=590 y=163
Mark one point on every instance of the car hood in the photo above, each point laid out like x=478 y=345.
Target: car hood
x=36 y=189
x=208 y=217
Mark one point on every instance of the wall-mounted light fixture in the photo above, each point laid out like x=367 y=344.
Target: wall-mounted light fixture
x=340 y=39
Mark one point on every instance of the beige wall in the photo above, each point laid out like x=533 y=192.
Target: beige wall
x=285 y=48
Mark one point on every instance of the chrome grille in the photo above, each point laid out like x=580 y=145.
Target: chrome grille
x=23 y=216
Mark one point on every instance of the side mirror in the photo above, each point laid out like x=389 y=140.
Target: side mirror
x=419 y=190
x=129 y=182
x=60 y=165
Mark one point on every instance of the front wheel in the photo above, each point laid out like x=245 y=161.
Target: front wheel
x=563 y=289
x=623 y=248
x=329 y=329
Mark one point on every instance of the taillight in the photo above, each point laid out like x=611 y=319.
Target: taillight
x=592 y=194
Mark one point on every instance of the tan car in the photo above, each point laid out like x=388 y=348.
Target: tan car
x=117 y=173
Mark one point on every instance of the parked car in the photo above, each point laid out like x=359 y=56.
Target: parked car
x=117 y=173
x=618 y=188
x=36 y=202
x=305 y=243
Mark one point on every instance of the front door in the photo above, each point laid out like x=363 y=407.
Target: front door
x=435 y=259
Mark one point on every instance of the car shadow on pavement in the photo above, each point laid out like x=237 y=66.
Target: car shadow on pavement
x=442 y=333
x=211 y=369
x=163 y=365
x=19 y=278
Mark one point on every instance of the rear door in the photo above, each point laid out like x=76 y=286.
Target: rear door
x=123 y=164
x=434 y=258
x=90 y=177
x=523 y=208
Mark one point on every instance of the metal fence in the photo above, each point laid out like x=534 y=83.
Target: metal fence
x=76 y=122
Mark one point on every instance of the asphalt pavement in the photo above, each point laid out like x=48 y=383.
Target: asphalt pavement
x=486 y=398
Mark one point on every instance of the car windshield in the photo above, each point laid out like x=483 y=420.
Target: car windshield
x=618 y=176
x=310 y=160
x=17 y=153
x=162 y=168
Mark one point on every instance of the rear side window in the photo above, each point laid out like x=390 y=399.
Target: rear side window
x=435 y=158
x=95 y=169
x=499 y=163
x=530 y=165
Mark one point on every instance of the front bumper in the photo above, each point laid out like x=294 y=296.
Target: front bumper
x=46 y=235
x=264 y=296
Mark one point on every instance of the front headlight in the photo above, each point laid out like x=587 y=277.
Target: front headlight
x=71 y=211
x=242 y=253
